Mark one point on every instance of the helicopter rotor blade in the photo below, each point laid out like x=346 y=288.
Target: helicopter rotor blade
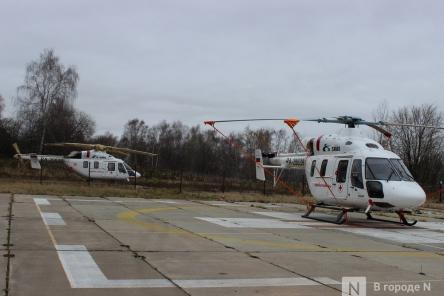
x=381 y=130
x=244 y=120
x=71 y=145
x=410 y=125
x=100 y=147
x=128 y=151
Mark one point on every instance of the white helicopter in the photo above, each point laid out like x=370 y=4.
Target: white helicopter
x=347 y=171
x=93 y=163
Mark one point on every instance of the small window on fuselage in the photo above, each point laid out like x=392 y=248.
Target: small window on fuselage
x=121 y=168
x=111 y=166
x=313 y=167
x=356 y=174
x=341 y=173
x=85 y=164
x=96 y=164
x=323 y=167
x=371 y=145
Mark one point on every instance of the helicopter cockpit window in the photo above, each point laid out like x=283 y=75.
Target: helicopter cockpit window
x=323 y=167
x=401 y=169
x=111 y=166
x=380 y=169
x=121 y=168
x=129 y=170
x=313 y=167
x=75 y=155
x=356 y=174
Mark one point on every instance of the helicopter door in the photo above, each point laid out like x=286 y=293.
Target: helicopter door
x=112 y=170
x=340 y=184
x=357 y=190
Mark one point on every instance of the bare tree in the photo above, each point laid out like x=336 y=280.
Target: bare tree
x=2 y=105
x=381 y=113
x=107 y=139
x=420 y=148
x=47 y=82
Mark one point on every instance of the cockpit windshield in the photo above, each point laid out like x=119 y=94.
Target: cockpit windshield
x=402 y=170
x=130 y=171
x=386 y=169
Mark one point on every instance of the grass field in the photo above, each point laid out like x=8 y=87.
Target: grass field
x=79 y=187
x=104 y=189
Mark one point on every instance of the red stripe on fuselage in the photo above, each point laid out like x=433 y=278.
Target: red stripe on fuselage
x=318 y=143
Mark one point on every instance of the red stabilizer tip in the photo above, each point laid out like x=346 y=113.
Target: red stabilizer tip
x=291 y=122
x=209 y=122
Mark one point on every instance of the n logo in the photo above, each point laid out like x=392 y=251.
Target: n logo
x=354 y=286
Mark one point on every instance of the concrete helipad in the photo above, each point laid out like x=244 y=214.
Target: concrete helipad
x=56 y=245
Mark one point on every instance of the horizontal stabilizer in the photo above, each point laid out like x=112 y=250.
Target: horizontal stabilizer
x=35 y=163
x=260 y=173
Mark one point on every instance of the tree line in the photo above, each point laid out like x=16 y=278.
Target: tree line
x=46 y=112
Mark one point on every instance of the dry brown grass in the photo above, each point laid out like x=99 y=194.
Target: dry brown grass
x=104 y=189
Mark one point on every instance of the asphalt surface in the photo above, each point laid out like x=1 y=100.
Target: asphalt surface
x=122 y=246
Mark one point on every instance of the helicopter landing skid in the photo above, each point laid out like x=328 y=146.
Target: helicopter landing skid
x=341 y=218
x=402 y=218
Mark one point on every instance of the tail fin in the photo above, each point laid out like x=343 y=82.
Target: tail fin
x=18 y=153
x=260 y=174
x=35 y=163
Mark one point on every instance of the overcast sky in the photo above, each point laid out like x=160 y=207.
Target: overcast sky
x=195 y=60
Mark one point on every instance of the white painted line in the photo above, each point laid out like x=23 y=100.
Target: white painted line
x=41 y=201
x=252 y=223
x=255 y=282
x=166 y=201
x=412 y=236
x=431 y=225
x=282 y=215
x=327 y=281
x=52 y=219
x=109 y=201
x=297 y=218
x=227 y=204
x=83 y=272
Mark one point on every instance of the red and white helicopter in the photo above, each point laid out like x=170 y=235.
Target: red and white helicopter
x=347 y=171
x=95 y=162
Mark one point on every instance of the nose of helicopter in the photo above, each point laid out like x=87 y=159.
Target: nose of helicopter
x=138 y=175
x=405 y=195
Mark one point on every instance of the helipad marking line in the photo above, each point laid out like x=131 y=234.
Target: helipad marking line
x=252 y=223
x=293 y=217
x=52 y=218
x=282 y=215
x=413 y=236
x=253 y=282
x=431 y=225
x=83 y=272
x=227 y=204
x=41 y=201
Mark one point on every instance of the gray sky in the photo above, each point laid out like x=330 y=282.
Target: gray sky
x=195 y=60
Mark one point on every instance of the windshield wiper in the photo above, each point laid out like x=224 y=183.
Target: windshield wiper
x=391 y=174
